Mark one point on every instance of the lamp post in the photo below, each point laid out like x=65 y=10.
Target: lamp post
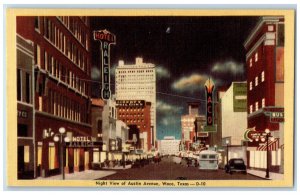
x=100 y=139
x=227 y=147
x=267 y=137
x=61 y=138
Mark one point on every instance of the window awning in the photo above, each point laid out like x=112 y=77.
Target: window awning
x=273 y=145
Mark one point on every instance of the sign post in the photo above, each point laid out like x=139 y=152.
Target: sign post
x=106 y=38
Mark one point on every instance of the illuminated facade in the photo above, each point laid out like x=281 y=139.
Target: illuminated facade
x=265 y=88
x=137 y=113
x=138 y=82
x=61 y=97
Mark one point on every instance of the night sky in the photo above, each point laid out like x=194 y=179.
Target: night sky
x=186 y=52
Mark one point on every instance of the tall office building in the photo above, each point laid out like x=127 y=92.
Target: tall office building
x=57 y=49
x=138 y=82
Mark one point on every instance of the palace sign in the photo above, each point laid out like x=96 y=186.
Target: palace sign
x=106 y=38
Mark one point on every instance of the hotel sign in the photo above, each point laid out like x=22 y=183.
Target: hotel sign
x=84 y=142
x=106 y=38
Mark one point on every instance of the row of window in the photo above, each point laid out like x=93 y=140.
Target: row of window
x=63 y=44
x=58 y=70
x=131 y=115
x=135 y=120
x=134 y=71
x=73 y=25
x=263 y=104
x=256 y=82
x=255 y=59
x=62 y=106
x=134 y=75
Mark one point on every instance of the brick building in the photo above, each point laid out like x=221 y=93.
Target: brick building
x=136 y=113
x=265 y=86
x=61 y=95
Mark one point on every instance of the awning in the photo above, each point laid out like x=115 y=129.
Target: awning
x=273 y=145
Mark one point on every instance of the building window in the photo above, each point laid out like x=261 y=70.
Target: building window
x=256 y=57
x=37 y=23
x=262 y=76
x=27 y=87
x=256 y=106
x=19 y=79
x=22 y=130
x=250 y=86
x=263 y=104
x=256 y=81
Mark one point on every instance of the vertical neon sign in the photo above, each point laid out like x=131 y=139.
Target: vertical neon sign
x=106 y=38
x=209 y=86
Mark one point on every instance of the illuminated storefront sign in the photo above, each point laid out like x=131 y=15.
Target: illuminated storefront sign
x=130 y=103
x=276 y=114
x=209 y=86
x=83 y=142
x=106 y=38
x=239 y=97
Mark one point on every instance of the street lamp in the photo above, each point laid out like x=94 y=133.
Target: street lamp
x=265 y=137
x=61 y=138
x=99 y=135
x=227 y=143
x=268 y=134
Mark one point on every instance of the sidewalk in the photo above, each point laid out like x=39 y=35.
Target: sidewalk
x=82 y=175
x=262 y=174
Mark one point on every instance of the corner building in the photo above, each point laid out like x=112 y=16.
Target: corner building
x=61 y=94
x=138 y=82
x=265 y=88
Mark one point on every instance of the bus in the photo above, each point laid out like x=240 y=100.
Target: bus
x=208 y=160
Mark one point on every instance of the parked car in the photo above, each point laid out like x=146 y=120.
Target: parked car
x=236 y=165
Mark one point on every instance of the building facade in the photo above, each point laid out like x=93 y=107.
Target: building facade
x=265 y=86
x=61 y=93
x=234 y=113
x=138 y=82
x=188 y=128
x=25 y=133
x=169 y=145
x=137 y=113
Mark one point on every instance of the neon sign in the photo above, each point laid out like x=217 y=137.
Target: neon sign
x=106 y=38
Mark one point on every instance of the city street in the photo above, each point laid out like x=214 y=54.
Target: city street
x=168 y=170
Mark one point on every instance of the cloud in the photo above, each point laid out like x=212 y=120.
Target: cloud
x=228 y=67
x=190 y=83
x=162 y=72
x=95 y=73
x=166 y=108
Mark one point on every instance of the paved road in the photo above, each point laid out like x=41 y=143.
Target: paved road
x=168 y=170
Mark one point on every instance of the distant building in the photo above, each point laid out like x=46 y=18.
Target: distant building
x=169 y=145
x=137 y=112
x=265 y=88
x=97 y=128
x=138 y=82
x=188 y=124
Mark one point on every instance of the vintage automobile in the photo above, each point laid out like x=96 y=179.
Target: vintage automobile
x=208 y=160
x=236 y=165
